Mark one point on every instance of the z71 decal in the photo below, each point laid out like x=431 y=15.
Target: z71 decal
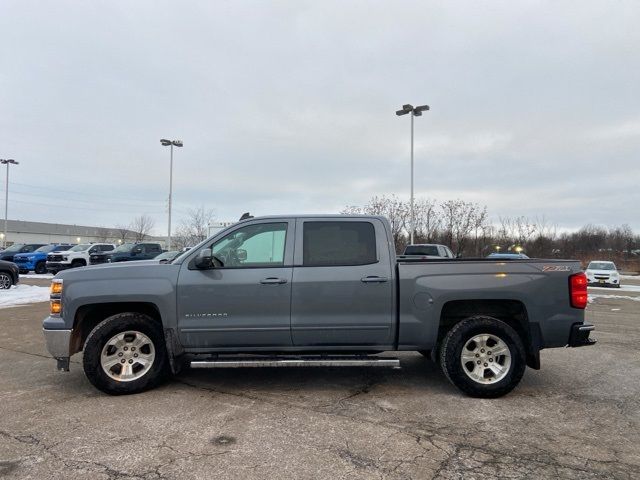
x=555 y=268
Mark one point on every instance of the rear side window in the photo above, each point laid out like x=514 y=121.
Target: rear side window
x=338 y=243
x=106 y=248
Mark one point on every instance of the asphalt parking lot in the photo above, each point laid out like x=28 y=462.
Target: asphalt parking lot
x=578 y=417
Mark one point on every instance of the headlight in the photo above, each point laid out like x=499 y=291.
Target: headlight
x=65 y=257
x=615 y=274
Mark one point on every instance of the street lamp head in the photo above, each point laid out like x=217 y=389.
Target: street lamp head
x=177 y=143
x=10 y=160
x=165 y=142
x=407 y=107
x=421 y=108
x=401 y=112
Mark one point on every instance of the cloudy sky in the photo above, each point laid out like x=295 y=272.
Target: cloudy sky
x=288 y=107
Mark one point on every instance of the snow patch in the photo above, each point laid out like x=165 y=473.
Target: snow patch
x=44 y=276
x=23 y=295
x=623 y=288
x=592 y=298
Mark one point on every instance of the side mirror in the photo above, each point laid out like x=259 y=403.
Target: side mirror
x=204 y=259
x=241 y=254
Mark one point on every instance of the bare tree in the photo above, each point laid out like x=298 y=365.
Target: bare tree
x=427 y=220
x=122 y=233
x=141 y=227
x=103 y=234
x=194 y=228
x=459 y=219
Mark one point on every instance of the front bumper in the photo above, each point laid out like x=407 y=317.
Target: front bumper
x=57 y=342
x=57 y=266
x=580 y=335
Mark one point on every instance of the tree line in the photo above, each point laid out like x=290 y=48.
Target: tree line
x=467 y=229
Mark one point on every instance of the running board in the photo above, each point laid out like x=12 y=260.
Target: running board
x=310 y=361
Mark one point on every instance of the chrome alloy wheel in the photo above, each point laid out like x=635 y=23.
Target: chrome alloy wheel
x=127 y=356
x=5 y=281
x=485 y=358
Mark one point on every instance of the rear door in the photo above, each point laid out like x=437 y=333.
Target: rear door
x=342 y=292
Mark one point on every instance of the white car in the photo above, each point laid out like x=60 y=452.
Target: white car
x=603 y=273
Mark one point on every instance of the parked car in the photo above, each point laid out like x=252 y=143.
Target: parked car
x=603 y=273
x=507 y=256
x=131 y=251
x=423 y=251
x=9 y=274
x=314 y=290
x=77 y=256
x=8 y=253
x=168 y=257
x=37 y=260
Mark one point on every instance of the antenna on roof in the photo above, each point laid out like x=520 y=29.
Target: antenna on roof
x=246 y=216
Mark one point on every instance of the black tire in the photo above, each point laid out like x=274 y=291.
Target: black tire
x=103 y=332
x=425 y=353
x=6 y=280
x=460 y=334
x=78 y=263
x=41 y=268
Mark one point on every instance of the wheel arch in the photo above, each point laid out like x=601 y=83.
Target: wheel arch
x=89 y=316
x=512 y=312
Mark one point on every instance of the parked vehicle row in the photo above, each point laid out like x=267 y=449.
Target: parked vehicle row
x=36 y=261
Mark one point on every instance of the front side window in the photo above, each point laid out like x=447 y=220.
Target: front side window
x=260 y=245
x=338 y=243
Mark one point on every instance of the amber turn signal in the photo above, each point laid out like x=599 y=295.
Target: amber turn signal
x=56 y=287
x=55 y=307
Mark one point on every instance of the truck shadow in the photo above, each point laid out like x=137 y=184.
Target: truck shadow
x=416 y=375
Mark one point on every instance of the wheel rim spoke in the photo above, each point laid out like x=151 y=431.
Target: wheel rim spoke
x=122 y=358
x=485 y=358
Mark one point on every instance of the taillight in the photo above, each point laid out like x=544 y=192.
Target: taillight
x=578 y=290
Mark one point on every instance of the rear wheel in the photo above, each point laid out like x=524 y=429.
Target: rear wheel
x=125 y=354
x=78 y=263
x=41 y=268
x=6 y=280
x=483 y=357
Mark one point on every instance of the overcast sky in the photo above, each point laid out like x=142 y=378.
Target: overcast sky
x=288 y=107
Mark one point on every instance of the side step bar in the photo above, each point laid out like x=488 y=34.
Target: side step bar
x=305 y=361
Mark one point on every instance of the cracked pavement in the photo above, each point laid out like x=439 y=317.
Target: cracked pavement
x=578 y=417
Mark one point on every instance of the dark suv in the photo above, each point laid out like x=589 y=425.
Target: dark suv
x=9 y=252
x=128 y=252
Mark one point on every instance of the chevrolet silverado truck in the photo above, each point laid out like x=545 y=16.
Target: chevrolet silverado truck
x=77 y=256
x=127 y=252
x=36 y=260
x=310 y=291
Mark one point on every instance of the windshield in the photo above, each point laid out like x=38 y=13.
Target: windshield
x=125 y=247
x=422 y=250
x=47 y=248
x=601 y=266
x=80 y=248
x=15 y=248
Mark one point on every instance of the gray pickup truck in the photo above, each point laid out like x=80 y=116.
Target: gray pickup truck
x=314 y=290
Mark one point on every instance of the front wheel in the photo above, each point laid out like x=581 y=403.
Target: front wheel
x=483 y=356
x=125 y=354
x=40 y=268
x=6 y=280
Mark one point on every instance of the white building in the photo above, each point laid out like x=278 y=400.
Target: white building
x=19 y=231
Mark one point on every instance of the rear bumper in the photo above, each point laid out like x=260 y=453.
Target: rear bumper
x=580 y=335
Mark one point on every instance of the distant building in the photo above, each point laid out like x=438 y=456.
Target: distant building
x=19 y=231
x=218 y=226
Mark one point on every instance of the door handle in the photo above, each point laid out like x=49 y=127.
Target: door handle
x=374 y=279
x=273 y=281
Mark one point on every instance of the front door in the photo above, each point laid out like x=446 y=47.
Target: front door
x=247 y=301
x=343 y=293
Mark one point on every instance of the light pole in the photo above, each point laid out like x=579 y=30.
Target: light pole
x=170 y=143
x=415 y=112
x=6 y=198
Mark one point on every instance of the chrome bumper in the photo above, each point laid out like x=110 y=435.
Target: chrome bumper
x=57 y=342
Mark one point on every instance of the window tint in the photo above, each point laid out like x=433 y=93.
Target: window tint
x=431 y=250
x=260 y=245
x=153 y=248
x=106 y=248
x=338 y=243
